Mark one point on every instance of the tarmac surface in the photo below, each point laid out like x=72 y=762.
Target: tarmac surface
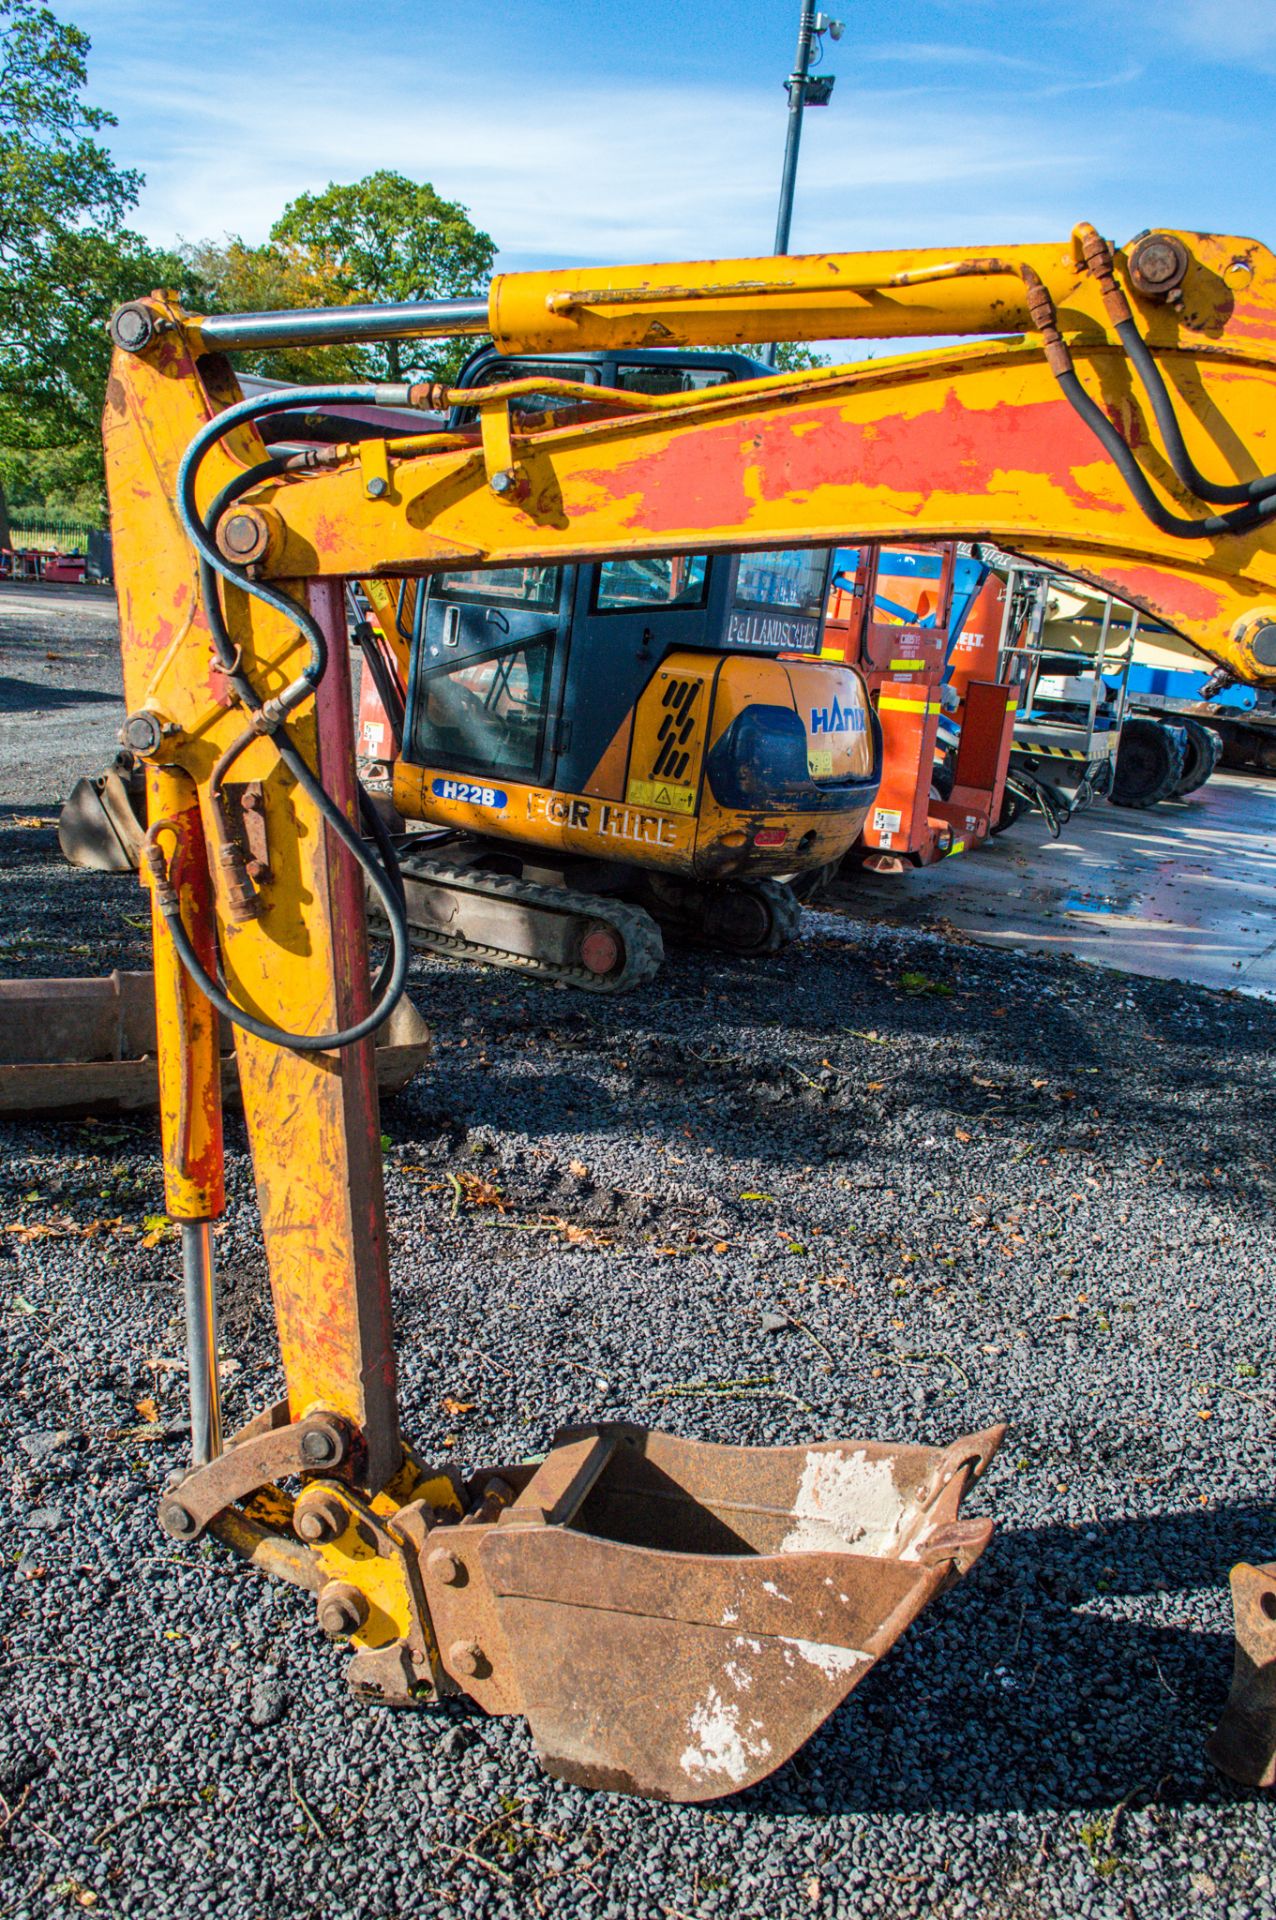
x=1185 y=890
x=892 y=1183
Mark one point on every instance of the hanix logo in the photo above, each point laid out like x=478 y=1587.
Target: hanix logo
x=837 y=718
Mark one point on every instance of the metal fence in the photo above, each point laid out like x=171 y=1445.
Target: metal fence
x=48 y=531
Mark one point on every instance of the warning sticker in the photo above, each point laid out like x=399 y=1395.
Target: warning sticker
x=886 y=821
x=658 y=793
x=819 y=763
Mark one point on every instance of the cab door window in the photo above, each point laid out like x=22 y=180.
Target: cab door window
x=487 y=713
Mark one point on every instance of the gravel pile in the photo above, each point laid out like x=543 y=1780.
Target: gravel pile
x=885 y=1185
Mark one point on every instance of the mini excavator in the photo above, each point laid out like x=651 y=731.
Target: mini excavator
x=1125 y=434
x=600 y=753
x=609 y=749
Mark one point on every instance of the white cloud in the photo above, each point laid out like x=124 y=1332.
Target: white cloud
x=578 y=171
x=1227 y=30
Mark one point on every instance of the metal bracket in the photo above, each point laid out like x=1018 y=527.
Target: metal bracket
x=246 y=810
x=267 y=1450
x=505 y=475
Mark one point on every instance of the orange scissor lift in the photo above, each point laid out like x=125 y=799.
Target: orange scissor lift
x=904 y=664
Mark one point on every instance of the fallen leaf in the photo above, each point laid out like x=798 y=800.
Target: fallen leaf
x=723 y=1246
x=455 y=1407
x=759 y=1196
x=963 y=1136
x=147 y=1408
x=579 y=1168
x=876 y=1086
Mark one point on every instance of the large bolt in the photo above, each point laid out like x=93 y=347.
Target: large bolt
x=319 y=1516
x=143 y=733
x=342 y=1609
x=243 y=536
x=320 y=1447
x=445 y=1567
x=1158 y=265
x=131 y=328
x=377 y=486
x=466 y=1657
x=178 y=1520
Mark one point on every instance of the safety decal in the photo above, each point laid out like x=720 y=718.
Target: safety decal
x=885 y=820
x=659 y=793
x=819 y=763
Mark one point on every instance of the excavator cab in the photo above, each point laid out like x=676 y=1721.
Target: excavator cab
x=623 y=747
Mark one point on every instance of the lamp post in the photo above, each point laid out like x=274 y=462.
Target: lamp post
x=804 y=90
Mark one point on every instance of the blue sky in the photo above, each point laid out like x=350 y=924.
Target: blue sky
x=613 y=130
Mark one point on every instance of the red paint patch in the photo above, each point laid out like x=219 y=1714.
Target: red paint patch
x=950 y=448
x=697 y=484
x=1175 y=597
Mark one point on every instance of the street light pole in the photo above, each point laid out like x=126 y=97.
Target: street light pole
x=793 y=137
x=803 y=92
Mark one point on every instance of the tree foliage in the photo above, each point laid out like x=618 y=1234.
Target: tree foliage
x=230 y=276
x=388 y=238
x=66 y=257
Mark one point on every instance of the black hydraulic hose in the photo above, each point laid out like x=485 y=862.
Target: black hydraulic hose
x=1240 y=520
x=269 y=717
x=1181 y=460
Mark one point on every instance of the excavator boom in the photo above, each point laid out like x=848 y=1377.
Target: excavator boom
x=555 y=1591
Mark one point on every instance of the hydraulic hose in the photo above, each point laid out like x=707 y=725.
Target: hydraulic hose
x=1101 y=266
x=1241 y=519
x=269 y=716
x=1167 y=419
x=1209 y=527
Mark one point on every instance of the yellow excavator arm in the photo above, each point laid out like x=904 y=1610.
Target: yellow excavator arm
x=1126 y=437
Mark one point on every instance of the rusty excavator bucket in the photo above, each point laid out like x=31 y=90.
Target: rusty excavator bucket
x=672 y=1618
x=1243 y=1744
x=103 y=822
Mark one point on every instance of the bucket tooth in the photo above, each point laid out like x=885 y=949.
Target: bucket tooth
x=675 y=1618
x=1243 y=1744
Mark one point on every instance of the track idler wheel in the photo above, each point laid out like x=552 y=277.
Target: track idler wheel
x=1243 y=1744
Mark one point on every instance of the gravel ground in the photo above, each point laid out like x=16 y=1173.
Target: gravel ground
x=974 y=1185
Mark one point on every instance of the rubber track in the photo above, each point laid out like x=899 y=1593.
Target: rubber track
x=639 y=935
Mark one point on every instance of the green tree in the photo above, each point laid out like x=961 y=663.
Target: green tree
x=66 y=257
x=232 y=277
x=793 y=356
x=388 y=238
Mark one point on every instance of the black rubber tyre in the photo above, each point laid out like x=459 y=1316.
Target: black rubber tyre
x=1149 y=763
x=1200 y=757
x=1013 y=807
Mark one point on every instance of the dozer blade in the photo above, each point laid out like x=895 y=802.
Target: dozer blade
x=675 y=1618
x=103 y=823
x=1243 y=1744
